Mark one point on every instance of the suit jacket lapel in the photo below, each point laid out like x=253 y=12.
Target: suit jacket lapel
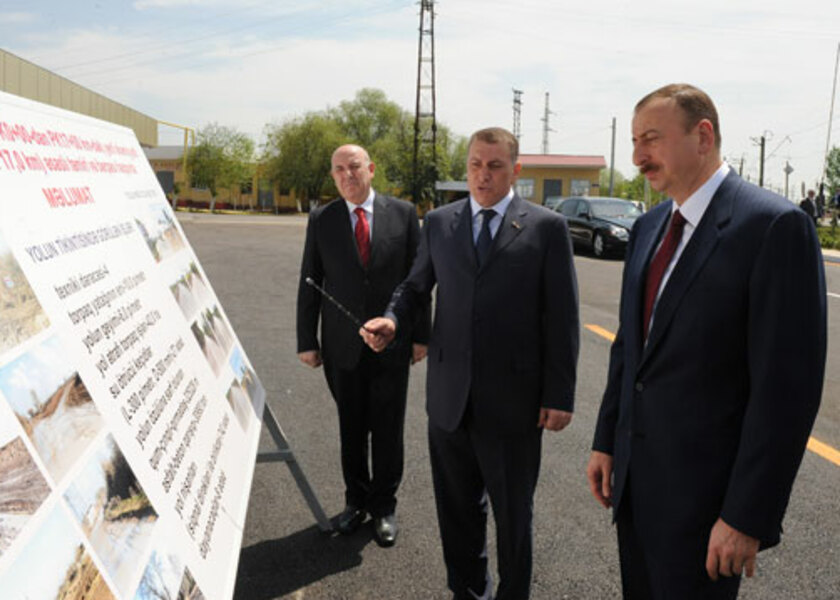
x=342 y=231
x=702 y=243
x=462 y=234
x=511 y=226
x=381 y=224
x=647 y=241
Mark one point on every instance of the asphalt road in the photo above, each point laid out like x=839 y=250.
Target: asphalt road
x=253 y=265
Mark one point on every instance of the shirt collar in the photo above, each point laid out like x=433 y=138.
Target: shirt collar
x=500 y=207
x=695 y=206
x=367 y=205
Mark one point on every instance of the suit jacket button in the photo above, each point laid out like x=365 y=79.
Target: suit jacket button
x=640 y=387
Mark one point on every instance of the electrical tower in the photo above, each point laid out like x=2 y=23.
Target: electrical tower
x=425 y=124
x=517 y=114
x=546 y=127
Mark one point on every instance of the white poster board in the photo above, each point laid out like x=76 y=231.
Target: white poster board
x=129 y=413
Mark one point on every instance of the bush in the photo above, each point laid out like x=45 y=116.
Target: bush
x=829 y=237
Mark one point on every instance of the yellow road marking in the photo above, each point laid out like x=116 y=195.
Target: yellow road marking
x=814 y=445
x=824 y=450
x=600 y=331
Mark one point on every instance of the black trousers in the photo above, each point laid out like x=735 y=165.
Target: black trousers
x=468 y=466
x=371 y=418
x=681 y=575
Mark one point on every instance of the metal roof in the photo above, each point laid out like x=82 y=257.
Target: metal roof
x=564 y=161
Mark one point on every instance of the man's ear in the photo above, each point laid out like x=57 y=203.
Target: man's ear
x=706 y=132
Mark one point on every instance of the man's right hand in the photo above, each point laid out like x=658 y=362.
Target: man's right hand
x=378 y=333
x=311 y=358
x=599 y=473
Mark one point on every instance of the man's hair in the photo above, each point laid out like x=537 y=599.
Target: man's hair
x=497 y=135
x=694 y=102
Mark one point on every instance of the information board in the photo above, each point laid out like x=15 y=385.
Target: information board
x=129 y=412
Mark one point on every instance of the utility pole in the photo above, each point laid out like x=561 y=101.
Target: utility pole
x=761 y=164
x=788 y=171
x=425 y=123
x=546 y=127
x=761 y=141
x=612 y=158
x=830 y=117
x=517 y=114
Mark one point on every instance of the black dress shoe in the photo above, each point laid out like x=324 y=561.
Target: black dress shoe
x=385 y=530
x=350 y=519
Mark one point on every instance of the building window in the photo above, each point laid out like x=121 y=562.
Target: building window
x=580 y=187
x=525 y=188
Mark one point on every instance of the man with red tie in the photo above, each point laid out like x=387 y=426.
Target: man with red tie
x=359 y=248
x=716 y=371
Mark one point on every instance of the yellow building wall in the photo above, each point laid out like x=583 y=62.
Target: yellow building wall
x=283 y=202
x=566 y=175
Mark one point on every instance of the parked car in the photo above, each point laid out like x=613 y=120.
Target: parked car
x=599 y=224
x=552 y=202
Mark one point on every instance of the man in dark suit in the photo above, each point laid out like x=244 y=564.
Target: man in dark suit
x=716 y=372
x=359 y=248
x=809 y=205
x=502 y=361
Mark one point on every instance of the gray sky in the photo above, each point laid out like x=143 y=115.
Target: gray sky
x=768 y=65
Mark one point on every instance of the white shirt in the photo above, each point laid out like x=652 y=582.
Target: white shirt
x=367 y=206
x=500 y=207
x=693 y=210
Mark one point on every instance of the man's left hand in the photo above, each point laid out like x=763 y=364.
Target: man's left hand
x=418 y=353
x=730 y=552
x=553 y=419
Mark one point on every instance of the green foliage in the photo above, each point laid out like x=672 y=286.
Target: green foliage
x=633 y=189
x=222 y=158
x=297 y=153
x=829 y=237
x=604 y=182
x=832 y=170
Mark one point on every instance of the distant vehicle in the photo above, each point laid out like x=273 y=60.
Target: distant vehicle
x=599 y=224
x=552 y=202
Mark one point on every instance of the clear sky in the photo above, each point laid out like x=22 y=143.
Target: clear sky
x=768 y=65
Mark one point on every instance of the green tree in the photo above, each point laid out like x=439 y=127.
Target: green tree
x=832 y=170
x=297 y=152
x=634 y=189
x=604 y=182
x=298 y=155
x=223 y=158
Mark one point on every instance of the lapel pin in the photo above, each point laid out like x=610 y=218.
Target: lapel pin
x=516 y=225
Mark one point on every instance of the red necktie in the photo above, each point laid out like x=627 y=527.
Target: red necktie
x=660 y=263
x=362 y=235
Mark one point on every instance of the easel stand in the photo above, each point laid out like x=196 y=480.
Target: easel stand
x=284 y=454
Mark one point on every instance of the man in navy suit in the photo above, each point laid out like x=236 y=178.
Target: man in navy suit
x=359 y=248
x=502 y=361
x=716 y=372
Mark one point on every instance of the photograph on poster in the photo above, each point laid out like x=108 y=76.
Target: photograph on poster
x=113 y=510
x=161 y=578
x=159 y=230
x=52 y=405
x=22 y=486
x=189 y=589
x=240 y=403
x=214 y=336
x=191 y=291
x=244 y=373
x=22 y=315
x=54 y=565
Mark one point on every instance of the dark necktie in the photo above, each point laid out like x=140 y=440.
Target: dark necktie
x=362 y=235
x=482 y=245
x=660 y=263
